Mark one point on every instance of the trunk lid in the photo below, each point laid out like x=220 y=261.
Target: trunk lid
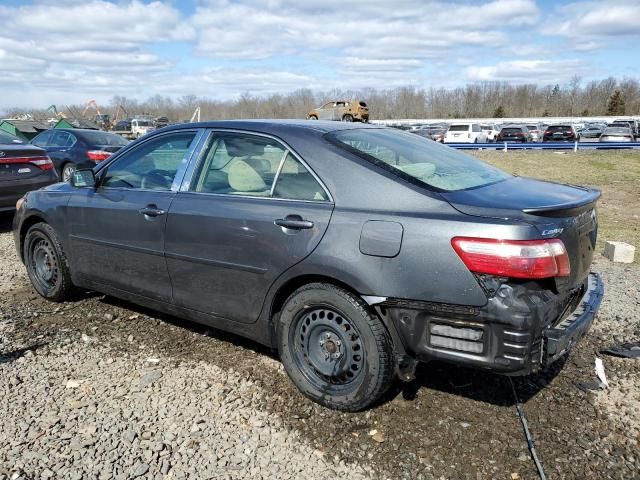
x=15 y=161
x=556 y=210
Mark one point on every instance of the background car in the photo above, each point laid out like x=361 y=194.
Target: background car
x=514 y=133
x=591 y=131
x=77 y=148
x=560 y=133
x=432 y=132
x=344 y=110
x=491 y=131
x=465 y=133
x=536 y=130
x=617 y=134
x=23 y=168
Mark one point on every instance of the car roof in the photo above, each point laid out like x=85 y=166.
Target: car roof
x=274 y=126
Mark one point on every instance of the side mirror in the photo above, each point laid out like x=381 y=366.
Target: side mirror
x=83 y=178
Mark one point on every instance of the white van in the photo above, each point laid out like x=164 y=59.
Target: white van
x=465 y=133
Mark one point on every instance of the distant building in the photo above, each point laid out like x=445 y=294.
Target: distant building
x=23 y=129
x=75 y=123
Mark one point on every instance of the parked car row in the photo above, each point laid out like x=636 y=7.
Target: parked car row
x=51 y=156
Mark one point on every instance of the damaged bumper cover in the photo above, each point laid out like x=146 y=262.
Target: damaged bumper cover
x=518 y=331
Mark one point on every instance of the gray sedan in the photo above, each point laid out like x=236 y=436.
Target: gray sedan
x=355 y=251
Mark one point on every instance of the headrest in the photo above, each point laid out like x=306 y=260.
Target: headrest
x=243 y=147
x=244 y=178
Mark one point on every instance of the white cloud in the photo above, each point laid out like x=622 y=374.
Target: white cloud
x=585 y=20
x=527 y=71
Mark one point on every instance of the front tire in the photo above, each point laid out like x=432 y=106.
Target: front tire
x=347 y=118
x=334 y=349
x=67 y=171
x=312 y=117
x=46 y=263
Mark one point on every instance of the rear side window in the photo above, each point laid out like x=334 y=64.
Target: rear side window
x=63 y=139
x=295 y=182
x=416 y=159
x=241 y=164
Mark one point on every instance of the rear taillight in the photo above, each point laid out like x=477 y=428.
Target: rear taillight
x=98 y=155
x=514 y=258
x=43 y=162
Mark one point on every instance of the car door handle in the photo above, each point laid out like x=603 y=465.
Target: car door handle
x=294 y=222
x=152 y=211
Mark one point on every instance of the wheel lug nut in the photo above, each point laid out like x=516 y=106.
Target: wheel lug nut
x=338 y=342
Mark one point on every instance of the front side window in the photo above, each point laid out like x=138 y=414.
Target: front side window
x=42 y=140
x=417 y=159
x=152 y=165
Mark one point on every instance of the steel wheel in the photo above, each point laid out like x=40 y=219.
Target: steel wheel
x=44 y=264
x=67 y=171
x=326 y=347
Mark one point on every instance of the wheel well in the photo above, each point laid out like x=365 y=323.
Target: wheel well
x=293 y=284
x=26 y=225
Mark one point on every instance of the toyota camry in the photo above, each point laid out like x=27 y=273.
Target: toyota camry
x=356 y=251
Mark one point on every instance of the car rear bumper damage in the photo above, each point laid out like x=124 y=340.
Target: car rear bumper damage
x=519 y=331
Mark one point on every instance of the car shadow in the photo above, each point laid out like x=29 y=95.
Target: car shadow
x=477 y=385
x=6 y=221
x=12 y=356
x=193 y=327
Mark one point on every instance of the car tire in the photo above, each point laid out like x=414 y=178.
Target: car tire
x=347 y=118
x=337 y=352
x=46 y=263
x=312 y=117
x=66 y=172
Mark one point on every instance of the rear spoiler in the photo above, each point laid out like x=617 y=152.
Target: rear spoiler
x=568 y=209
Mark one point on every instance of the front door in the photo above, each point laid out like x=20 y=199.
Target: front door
x=117 y=229
x=251 y=211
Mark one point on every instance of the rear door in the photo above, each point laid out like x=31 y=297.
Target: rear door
x=250 y=211
x=59 y=147
x=117 y=230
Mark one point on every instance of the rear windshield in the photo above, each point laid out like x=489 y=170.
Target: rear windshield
x=417 y=159
x=558 y=128
x=104 y=138
x=144 y=123
x=617 y=130
x=5 y=138
x=459 y=128
x=532 y=127
x=511 y=130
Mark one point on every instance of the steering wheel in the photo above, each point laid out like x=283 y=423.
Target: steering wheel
x=155 y=180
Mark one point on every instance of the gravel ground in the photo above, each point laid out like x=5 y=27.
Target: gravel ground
x=98 y=388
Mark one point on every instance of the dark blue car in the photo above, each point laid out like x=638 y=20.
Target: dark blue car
x=71 y=148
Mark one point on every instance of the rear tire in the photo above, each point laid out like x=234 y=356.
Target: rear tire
x=334 y=349
x=312 y=117
x=46 y=263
